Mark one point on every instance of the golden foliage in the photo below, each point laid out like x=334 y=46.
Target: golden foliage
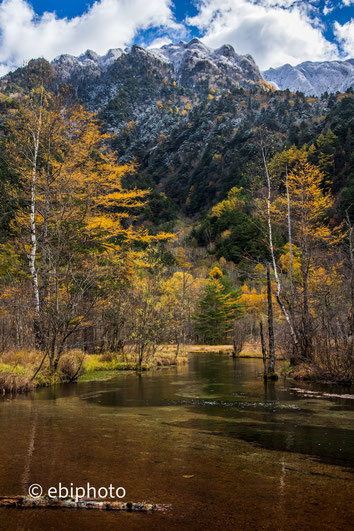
x=234 y=201
x=309 y=205
x=215 y=273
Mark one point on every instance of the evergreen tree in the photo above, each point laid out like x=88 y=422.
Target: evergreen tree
x=217 y=309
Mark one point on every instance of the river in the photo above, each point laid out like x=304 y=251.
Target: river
x=256 y=456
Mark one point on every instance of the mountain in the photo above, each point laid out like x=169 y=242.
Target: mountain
x=188 y=59
x=199 y=68
x=190 y=116
x=313 y=78
x=192 y=65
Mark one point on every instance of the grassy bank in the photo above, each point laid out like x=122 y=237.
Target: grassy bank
x=250 y=350
x=18 y=367
x=318 y=373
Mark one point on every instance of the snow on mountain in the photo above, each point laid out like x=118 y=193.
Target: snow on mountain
x=190 y=62
x=186 y=60
x=313 y=78
x=67 y=65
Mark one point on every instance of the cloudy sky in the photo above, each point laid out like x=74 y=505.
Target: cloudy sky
x=273 y=31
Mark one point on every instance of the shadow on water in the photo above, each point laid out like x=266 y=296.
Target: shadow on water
x=333 y=446
x=234 y=402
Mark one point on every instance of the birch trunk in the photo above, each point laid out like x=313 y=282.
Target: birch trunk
x=271 y=247
x=33 y=243
x=264 y=350
x=33 y=252
x=270 y=325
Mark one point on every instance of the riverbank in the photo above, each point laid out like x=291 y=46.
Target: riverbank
x=317 y=373
x=17 y=368
x=251 y=349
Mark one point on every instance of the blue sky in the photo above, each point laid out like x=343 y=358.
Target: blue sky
x=273 y=31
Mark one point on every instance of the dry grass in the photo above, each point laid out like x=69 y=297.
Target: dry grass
x=16 y=370
x=168 y=358
x=111 y=361
x=250 y=350
x=18 y=367
x=71 y=365
x=221 y=349
x=22 y=358
x=15 y=383
x=317 y=373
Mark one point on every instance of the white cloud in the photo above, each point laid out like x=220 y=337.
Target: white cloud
x=107 y=24
x=160 y=41
x=274 y=32
x=327 y=10
x=345 y=35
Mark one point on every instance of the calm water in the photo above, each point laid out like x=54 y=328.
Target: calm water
x=262 y=457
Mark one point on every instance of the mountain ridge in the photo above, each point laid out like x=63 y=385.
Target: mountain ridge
x=198 y=67
x=313 y=78
x=184 y=62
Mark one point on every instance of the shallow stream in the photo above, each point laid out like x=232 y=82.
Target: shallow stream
x=257 y=456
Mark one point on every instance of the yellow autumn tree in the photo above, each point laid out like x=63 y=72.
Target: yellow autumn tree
x=304 y=207
x=181 y=293
x=234 y=200
x=254 y=302
x=76 y=217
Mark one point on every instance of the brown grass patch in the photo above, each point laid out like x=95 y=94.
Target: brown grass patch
x=15 y=383
x=70 y=365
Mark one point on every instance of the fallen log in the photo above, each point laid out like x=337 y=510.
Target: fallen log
x=25 y=502
x=318 y=394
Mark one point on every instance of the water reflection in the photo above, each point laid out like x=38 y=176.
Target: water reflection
x=28 y=458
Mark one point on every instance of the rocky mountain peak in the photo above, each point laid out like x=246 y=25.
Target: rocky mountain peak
x=197 y=45
x=226 y=50
x=89 y=55
x=192 y=57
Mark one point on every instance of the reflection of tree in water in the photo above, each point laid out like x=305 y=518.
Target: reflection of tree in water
x=28 y=456
x=270 y=393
